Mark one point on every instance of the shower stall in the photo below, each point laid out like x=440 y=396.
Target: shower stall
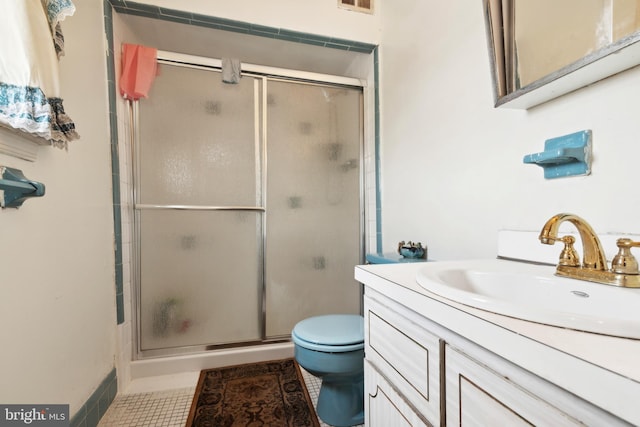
x=248 y=210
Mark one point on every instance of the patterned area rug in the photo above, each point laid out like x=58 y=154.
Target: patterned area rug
x=257 y=394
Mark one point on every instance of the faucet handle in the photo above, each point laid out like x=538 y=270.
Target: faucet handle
x=624 y=262
x=569 y=256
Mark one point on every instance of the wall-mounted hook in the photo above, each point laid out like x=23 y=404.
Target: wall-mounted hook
x=17 y=188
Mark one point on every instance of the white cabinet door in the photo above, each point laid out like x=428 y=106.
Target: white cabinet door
x=384 y=407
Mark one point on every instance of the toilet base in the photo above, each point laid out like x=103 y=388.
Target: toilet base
x=341 y=400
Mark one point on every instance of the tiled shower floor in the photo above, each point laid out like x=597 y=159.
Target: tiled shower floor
x=169 y=408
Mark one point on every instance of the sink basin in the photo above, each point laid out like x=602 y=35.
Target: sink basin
x=532 y=292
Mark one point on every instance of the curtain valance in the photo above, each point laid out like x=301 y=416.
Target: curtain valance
x=31 y=42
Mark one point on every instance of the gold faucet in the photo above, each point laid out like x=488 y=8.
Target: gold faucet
x=594 y=267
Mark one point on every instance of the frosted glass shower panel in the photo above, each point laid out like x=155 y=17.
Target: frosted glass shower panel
x=314 y=214
x=198 y=140
x=199 y=278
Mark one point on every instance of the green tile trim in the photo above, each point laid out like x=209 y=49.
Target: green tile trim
x=139 y=9
x=115 y=162
x=96 y=406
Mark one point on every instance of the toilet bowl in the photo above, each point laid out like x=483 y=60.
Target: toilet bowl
x=331 y=347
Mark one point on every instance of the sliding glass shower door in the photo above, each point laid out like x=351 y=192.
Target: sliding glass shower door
x=247 y=208
x=199 y=211
x=313 y=200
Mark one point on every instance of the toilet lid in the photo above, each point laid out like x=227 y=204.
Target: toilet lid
x=331 y=330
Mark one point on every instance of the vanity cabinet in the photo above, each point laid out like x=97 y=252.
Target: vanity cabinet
x=418 y=372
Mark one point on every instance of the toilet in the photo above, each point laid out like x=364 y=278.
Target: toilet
x=331 y=347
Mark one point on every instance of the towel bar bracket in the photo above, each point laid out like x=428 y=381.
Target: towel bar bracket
x=17 y=188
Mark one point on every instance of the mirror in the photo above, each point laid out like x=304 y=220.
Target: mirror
x=542 y=49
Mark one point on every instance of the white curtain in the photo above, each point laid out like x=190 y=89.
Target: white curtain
x=30 y=44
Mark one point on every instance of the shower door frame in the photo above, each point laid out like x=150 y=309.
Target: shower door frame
x=265 y=73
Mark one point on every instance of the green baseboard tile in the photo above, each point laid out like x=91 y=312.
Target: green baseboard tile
x=96 y=406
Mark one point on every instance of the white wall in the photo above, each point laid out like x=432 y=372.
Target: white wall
x=452 y=171
x=56 y=253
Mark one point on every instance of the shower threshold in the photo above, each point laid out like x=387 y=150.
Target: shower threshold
x=227 y=356
x=197 y=349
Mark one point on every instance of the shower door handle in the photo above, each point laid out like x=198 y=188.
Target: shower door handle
x=201 y=207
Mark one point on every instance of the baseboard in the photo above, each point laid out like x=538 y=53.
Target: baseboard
x=95 y=407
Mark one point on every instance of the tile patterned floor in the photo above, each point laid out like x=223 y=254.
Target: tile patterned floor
x=169 y=408
x=160 y=408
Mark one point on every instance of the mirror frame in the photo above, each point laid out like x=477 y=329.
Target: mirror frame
x=612 y=59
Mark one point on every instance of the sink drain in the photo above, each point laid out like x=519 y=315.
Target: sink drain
x=580 y=294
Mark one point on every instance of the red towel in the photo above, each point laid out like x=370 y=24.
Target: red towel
x=139 y=69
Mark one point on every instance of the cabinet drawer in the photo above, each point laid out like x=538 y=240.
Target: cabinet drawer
x=408 y=355
x=503 y=394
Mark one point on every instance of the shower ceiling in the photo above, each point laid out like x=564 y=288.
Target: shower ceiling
x=212 y=43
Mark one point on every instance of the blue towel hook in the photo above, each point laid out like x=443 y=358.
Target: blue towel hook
x=17 y=188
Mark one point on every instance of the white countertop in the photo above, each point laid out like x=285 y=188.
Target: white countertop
x=601 y=369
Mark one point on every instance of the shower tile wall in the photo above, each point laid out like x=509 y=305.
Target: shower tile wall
x=125 y=329
x=371 y=138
